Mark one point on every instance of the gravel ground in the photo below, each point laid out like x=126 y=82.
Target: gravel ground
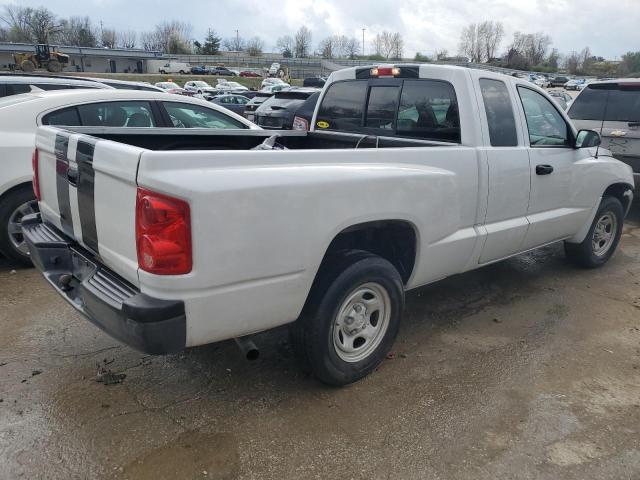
x=529 y=368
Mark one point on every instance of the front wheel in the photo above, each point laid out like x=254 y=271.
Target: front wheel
x=351 y=318
x=13 y=207
x=603 y=237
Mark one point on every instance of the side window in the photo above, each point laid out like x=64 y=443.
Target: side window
x=429 y=110
x=546 y=126
x=342 y=106
x=381 y=107
x=116 y=114
x=67 y=117
x=186 y=115
x=499 y=111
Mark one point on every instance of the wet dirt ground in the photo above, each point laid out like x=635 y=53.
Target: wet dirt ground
x=525 y=369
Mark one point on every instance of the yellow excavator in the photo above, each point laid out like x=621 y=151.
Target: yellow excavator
x=45 y=57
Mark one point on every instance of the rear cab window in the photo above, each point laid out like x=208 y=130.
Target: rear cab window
x=421 y=108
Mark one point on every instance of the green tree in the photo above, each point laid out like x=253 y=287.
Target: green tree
x=211 y=45
x=630 y=63
x=421 y=58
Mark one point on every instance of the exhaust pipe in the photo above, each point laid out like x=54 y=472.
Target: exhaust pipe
x=248 y=348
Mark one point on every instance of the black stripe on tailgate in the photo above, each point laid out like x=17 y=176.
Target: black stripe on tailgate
x=62 y=184
x=86 y=188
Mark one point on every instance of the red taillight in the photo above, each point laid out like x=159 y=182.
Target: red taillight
x=36 y=174
x=300 y=123
x=163 y=233
x=385 y=72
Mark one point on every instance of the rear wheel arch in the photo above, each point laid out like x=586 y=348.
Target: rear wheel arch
x=394 y=240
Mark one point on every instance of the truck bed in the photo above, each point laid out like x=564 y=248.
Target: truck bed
x=207 y=139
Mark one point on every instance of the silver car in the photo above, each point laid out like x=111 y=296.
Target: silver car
x=614 y=107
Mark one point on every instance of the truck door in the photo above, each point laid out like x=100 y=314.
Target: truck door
x=560 y=198
x=509 y=173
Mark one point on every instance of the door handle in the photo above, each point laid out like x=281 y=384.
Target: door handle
x=544 y=169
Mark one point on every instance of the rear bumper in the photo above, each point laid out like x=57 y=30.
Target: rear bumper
x=147 y=324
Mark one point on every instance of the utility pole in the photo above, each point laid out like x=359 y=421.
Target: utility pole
x=363 y=41
x=238 y=49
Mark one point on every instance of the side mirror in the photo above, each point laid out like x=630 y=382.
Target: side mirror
x=587 y=139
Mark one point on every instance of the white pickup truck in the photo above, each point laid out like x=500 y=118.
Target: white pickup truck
x=167 y=239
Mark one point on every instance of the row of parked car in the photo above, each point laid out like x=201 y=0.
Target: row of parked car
x=27 y=101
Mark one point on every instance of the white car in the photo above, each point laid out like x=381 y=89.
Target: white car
x=20 y=115
x=542 y=82
x=225 y=86
x=199 y=87
x=272 y=81
x=408 y=174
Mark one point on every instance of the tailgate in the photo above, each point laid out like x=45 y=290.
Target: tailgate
x=88 y=191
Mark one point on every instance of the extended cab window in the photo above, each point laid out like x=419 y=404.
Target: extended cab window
x=499 y=111
x=429 y=110
x=545 y=124
x=382 y=107
x=184 y=115
x=342 y=106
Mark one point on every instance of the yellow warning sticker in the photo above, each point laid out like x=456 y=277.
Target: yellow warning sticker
x=322 y=124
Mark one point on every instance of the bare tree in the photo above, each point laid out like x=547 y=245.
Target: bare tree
x=352 y=48
x=127 y=39
x=441 y=54
x=17 y=20
x=108 y=38
x=169 y=37
x=586 y=60
x=303 y=42
x=42 y=23
x=255 y=46
x=76 y=31
x=285 y=46
x=389 y=45
x=472 y=43
x=491 y=34
x=397 y=46
x=234 y=44
x=572 y=62
x=528 y=49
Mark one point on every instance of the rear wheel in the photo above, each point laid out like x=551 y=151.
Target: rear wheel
x=351 y=318
x=13 y=207
x=603 y=237
x=163 y=72
x=27 y=66
x=54 y=66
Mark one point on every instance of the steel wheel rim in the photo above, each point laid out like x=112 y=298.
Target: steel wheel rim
x=362 y=322
x=14 y=227
x=604 y=234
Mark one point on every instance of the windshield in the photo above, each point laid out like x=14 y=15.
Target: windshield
x=622 y=103
x=201 y=84
x=168 y=85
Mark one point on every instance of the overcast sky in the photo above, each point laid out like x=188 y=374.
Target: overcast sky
x=609 y=28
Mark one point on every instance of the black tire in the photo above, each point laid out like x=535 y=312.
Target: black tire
x=27 y=66
x=163 y=72
x=585 y=254
x=8 y=205
x=312 y=334
x=54 y=66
